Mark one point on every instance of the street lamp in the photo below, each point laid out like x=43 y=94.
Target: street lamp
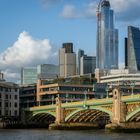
x=66 y=98
x=85 y=100
x=132 y=85
x=107 y=89
x=52 y=99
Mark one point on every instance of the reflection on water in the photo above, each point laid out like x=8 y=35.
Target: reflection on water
x=44 y=134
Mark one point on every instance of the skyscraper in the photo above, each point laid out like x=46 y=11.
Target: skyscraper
x=107 y=37
x=80 y=54
x=67 y=60
x=132 y=49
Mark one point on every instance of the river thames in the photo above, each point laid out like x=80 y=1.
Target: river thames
x=43 y=134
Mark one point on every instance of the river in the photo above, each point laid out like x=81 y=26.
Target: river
x=43 y=134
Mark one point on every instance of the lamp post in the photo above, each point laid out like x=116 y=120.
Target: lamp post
x=132 y=85
x=52 y=99
x=66 y=98
x=85 y=100
x=107 y=89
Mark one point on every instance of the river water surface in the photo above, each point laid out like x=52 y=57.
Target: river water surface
x=43 y=134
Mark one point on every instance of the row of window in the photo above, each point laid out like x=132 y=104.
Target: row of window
x=9 y=113
x=67 y=89
x=7 y=104
x=8 y=89
x=9 y=96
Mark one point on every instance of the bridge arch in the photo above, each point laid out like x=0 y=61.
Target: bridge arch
x=46 y=112
x=132 y=114
x=92 y=110
x=42 y=118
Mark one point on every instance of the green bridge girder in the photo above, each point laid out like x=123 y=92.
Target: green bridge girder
x=95 y=104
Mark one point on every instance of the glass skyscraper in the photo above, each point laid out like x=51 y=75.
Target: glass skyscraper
x=107 y=37
x=132 y=49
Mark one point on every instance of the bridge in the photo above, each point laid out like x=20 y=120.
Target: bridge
x=116 y=110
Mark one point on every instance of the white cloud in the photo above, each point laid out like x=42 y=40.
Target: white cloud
x=26 y=51
x=124 y=10
x=48 y=3
x=69 y=11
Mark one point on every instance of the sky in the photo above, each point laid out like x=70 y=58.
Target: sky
x=32 y=31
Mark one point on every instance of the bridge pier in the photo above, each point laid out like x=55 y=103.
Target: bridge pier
x=119 y=110
x=59 y=112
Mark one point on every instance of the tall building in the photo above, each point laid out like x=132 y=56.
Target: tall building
x=107 y=37
x=87 y=64
x=132 y=49
x=126 y=55
x=80 y=54
x=67 y=60
x=47 y=71
x=28 y=75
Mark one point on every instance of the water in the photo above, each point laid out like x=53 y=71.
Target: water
x=44 y=134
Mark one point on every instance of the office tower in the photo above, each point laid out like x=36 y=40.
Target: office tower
x=28 y=75
x=125 y=53
x=133 y=49
x=67 y=60
x=80 y=54
x=107 y=37
x=87 y=64
x=47 y=71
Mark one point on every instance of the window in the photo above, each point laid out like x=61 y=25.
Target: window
x=16 y=97
x=6 y=96
x=15 y=104
x=6 y=104
x=15 y=112
x=6 y=112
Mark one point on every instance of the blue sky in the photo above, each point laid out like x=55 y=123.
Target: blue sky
x=32 y=31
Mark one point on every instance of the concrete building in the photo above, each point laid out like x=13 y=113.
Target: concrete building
x=47 y=71
x=67 y=60
x=28 y=75
x=107 y=37
x=128 y=82
x=27 y=95
x=9 y=100
x=79 y=55
x=132 y=49
x=67 y=91
x=87 y=64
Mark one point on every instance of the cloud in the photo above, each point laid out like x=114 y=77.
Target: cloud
x=124 y=10
x=26 y=51
x=71 y=11
x=49 y=3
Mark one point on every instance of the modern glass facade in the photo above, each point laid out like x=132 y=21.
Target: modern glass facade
x=107 y=37
x=28 y=75
x=133 y=49
x=87 y=64
x=47 y=71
